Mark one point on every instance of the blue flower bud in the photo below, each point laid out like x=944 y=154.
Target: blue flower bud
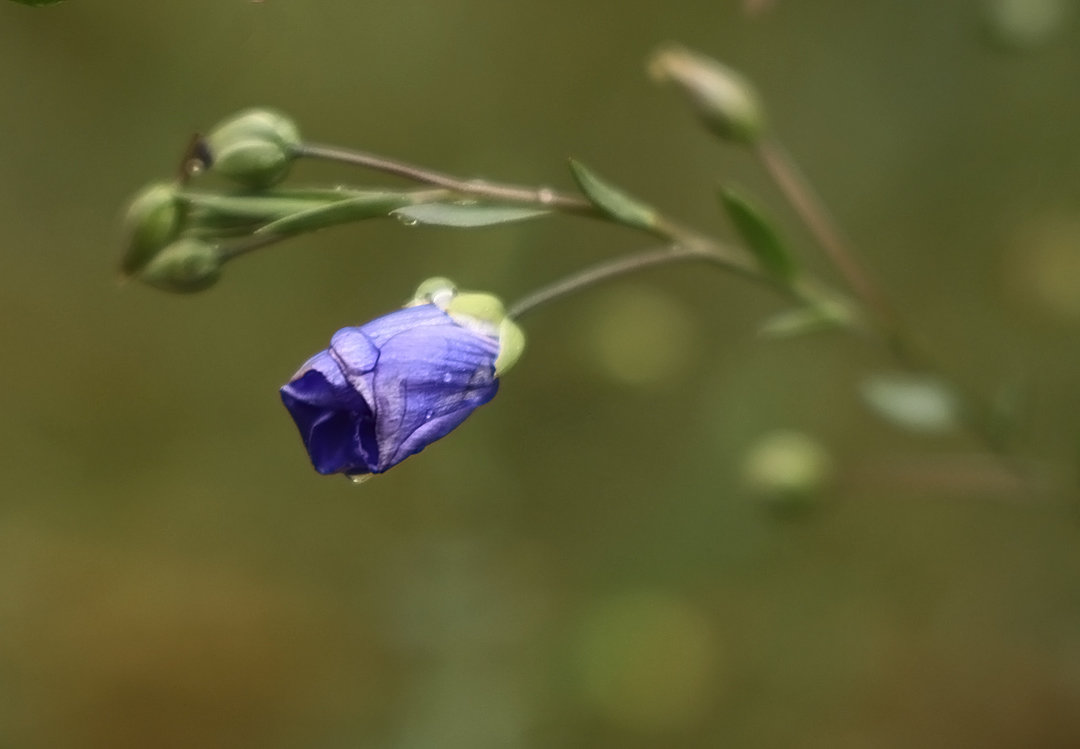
x=388 y=389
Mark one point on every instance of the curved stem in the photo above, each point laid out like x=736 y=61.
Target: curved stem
x=810 y=209
x=716 y=255
x=606 y=271
x=478 y=188
x=797 y=190
x=686 y=244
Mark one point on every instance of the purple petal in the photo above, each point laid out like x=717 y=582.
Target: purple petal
x=424 y=375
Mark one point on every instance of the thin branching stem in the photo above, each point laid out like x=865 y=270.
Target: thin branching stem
x=812 y=211
x=881 y=324
x=607 y=271
x=502 y=192
x=800 y=194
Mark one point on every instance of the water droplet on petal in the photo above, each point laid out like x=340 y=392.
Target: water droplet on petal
x=447 y=378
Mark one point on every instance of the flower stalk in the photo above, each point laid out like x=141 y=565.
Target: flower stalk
x=179 y=238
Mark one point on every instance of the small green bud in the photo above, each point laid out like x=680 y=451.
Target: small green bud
x=726 y=102
x=255 y=148
x=184 y=266
x=153 y=221
x=787 y=471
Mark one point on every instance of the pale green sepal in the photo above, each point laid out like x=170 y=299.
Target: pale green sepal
x=437 y=290
x=511 y=346
x=473 y=307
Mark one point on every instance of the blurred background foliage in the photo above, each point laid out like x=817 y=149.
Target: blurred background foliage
x=597 y=558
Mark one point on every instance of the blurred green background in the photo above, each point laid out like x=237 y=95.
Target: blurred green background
x=583 y=564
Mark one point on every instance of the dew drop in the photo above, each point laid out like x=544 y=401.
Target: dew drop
x=406 y=220
x=546 y=195
x=359 y=478
x=194 y=167
x=428 y=415
x=447 y=378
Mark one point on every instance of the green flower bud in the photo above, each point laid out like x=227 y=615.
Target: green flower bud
x=254 y=148
x=787 y=471
x=184 y=266
x=725 y=101
x=152 y=222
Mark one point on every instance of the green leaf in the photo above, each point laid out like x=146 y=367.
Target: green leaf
x=805 y=321
x=759 y=234
x=612 y=201
x=356 y=208
x=464 y=215
x=215 y=209
x=919 y=403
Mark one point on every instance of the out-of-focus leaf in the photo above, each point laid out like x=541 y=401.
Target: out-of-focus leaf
x=611 y=200
x=1025 y=25
x=804 y=321
x=465 y=215
x=38 y=3
x=759 y=234
x=915 y=402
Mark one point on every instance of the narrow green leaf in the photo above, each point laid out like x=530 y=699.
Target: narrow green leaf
x=356 y=208
x=611 y=200
x=918 y=403
x=801 y=321
x=759 y=234
x=464 y=215
x=245 y=206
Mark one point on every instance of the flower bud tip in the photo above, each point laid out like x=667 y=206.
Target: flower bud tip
x=725 y=101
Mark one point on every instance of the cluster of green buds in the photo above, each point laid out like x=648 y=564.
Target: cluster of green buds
x=178 y=238
x=174 y=236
